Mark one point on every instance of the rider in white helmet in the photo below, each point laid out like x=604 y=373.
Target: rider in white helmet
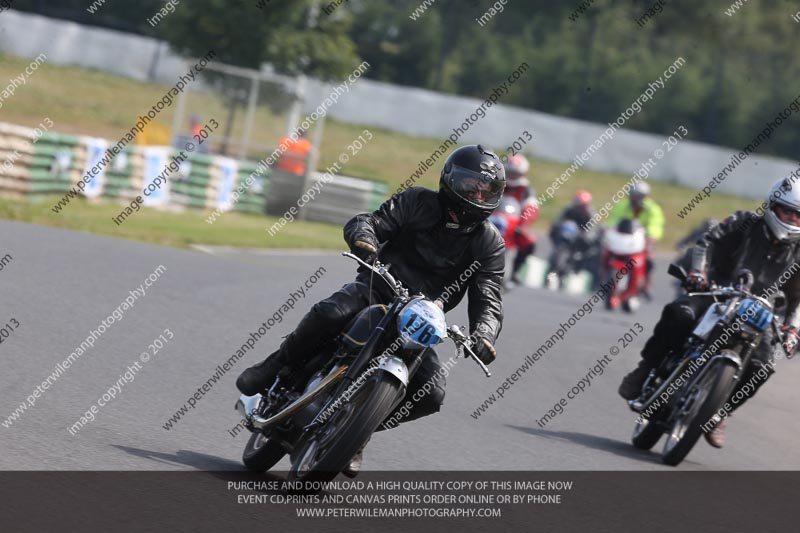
x=639 y=206
x=523 y=239
x=766 y=242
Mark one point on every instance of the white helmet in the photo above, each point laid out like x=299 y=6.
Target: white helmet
x=517 y=167
x=640 y=189
x=517 y=164
x=784 y=193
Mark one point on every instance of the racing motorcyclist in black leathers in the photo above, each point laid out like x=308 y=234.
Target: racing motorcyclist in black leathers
x=579 y=211
x=768 y=245
x=431 y=240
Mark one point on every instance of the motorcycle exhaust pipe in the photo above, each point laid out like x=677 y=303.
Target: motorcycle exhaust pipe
x=642 y=406
x=260 y=423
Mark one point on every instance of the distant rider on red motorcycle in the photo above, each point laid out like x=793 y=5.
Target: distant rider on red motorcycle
x=519 y=188
x=641 y=207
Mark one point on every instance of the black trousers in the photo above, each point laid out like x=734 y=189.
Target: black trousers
x=522 y=256
x=329 y=317
x=676 y=323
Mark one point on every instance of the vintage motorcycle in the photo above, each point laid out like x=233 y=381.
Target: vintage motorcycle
x=681 y=397
x=326 y=414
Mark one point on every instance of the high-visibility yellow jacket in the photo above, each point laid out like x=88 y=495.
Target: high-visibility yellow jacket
x=651 y=217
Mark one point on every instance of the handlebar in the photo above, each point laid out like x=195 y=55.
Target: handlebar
x=715 y=291
x=732 y=292
x=383 y=271
x=462 y=343
x=744 y=279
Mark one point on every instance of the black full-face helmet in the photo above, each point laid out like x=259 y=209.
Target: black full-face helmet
x=470 y=187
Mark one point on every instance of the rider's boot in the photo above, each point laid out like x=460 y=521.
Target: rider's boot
x=631 y=386
x=317 y=327
x=716 y=437
x=259 y=377
x=354 y=467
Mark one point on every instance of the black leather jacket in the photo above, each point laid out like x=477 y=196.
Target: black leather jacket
x=578 y=214
x=438 y=262
x=743 y=241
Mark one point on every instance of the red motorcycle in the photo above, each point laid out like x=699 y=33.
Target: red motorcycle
x=506 y=219
x=513 y=221
x=624 y=264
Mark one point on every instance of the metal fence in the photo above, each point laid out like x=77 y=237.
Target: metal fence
x=54 y=163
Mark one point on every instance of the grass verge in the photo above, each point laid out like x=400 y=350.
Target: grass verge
x=179 y=229
x=95 y=103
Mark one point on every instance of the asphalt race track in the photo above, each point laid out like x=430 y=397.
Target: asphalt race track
x=60 y=285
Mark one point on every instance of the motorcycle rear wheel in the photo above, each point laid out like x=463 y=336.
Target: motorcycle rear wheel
x=262 y=453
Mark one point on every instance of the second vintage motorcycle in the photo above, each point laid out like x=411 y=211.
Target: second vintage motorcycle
x=682 y=396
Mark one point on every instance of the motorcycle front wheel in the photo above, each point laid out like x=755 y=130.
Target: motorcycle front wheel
x=702 y=401
x=328 y=450
x=646 y=433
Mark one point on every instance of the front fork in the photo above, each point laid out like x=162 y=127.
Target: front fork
x=392 y=365
x=687 y=399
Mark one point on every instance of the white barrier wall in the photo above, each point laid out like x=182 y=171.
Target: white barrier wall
x=69 y=43
x=413 y=111
x=430 y=114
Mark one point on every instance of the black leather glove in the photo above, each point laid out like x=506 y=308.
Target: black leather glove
x=364 y=251
x=483 y=348
x=790 y=341
x=695 y=282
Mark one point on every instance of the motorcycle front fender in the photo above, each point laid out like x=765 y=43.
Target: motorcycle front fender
x=729 y=355
x=396 y=367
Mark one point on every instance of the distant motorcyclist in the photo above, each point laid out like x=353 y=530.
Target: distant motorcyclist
x=768 y=246
x=523 y=239
x=579 y=210
x=577 y=214
x=506 y=218
x=517 y=184
x=431 y=240
x=641 y=207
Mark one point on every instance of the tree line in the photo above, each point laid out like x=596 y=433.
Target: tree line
x=590 y=63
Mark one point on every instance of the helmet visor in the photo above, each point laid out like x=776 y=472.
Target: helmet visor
x=787 y=214
x=478 y=189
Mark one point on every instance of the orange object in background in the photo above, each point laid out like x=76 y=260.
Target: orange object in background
x=154 y=134
x=295 y=157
